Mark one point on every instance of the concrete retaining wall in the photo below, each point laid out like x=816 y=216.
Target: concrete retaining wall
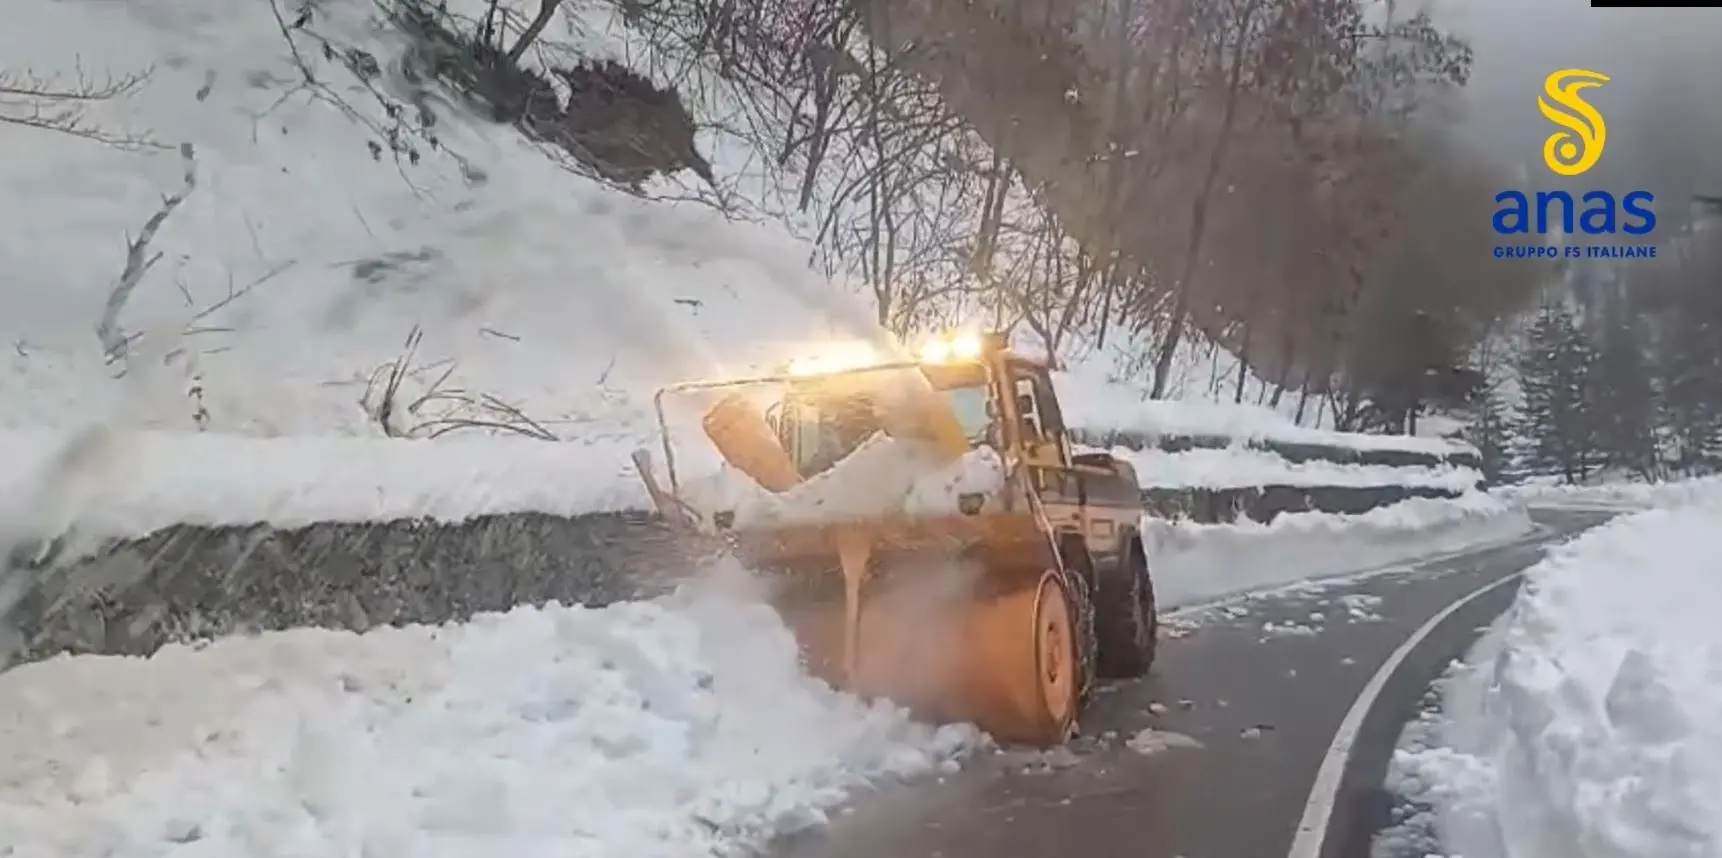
x=188 y=582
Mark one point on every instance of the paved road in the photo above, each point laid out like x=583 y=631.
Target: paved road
x=1261 y=684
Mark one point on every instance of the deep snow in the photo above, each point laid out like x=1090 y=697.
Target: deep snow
x=641 y=730
x=1613 y=495
x=1586 y=723
x=556 y=296
x=1195 y=563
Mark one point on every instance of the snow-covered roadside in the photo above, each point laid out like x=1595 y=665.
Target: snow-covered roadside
x=1613 y=495
x=1194 y=563
x=1102 y=405
x=126 y=483
x=1239 y=466
x=1589 y=722
x=641 y=730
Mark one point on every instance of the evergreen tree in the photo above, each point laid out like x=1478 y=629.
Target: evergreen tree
x=1689 y=353
x=1623 y=403
x=1557 y=434
x=1491 y=432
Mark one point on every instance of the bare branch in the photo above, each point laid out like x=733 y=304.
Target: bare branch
x=138 y=262
x=52 y=104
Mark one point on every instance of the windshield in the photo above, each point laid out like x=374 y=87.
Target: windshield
x=970 y=405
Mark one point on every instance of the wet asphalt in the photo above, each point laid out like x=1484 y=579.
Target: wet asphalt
x=1242 y=704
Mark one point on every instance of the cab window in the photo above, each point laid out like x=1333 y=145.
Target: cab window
x=1037 y=402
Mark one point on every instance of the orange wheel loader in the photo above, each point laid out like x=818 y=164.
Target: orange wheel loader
x=930 y=534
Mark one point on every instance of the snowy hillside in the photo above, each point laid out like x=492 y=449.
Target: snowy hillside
x=300 y=262
x=532 y=284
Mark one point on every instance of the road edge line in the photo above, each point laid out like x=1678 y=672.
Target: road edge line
x=1311 y=835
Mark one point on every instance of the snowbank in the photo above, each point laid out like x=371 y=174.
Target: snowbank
x=120 y=484
x=1591 y=721
x=1099 y=405
x=1614 y=495
x=1193 y=562
x=128 y=484
x=642 y=730
x=1239 y=466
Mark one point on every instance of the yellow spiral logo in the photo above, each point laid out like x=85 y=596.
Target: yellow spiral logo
x=1574 y=151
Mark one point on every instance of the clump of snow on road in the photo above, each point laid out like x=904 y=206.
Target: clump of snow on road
x=1592 y=722
x=1198 y=562
x=640 y=730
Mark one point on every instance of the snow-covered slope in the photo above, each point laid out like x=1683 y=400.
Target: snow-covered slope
x=534 y=285
x=292 y=276
x=1586 y=723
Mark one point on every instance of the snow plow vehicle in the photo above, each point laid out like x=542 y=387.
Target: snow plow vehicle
x=930 y=534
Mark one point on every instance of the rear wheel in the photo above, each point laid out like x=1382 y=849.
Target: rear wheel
x=1127 y=619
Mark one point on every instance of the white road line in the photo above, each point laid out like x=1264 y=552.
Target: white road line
x=1318 y=810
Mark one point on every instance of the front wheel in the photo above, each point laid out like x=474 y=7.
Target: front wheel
x=1127 y=618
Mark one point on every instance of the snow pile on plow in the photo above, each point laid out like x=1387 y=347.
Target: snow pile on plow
x=884 y=476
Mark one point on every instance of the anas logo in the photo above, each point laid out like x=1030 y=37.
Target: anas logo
x=1572 y=151
x=1577 y=149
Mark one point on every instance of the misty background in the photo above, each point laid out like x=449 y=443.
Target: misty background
x=1663 y=102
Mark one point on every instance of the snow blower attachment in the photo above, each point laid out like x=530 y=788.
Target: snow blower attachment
x=931 y=534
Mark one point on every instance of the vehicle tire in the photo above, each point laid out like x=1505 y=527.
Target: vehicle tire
x=1088 y=642
x=1127 y=621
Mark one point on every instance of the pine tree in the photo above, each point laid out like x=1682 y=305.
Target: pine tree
x=1623 y=404
x=1558 y=436
x=1491 y=431
x=1689 y=358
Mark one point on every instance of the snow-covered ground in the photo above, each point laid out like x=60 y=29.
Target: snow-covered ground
x=1198 y=562
x=500 y=257
x=658 y=730
x=300 y=263
x=1586 y=723
x=1238 y=466
x=1613 y=495
x=1098 y=404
